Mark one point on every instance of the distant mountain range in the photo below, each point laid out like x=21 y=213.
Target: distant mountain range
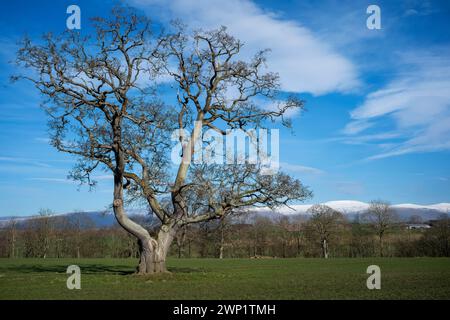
x=350 y=208
x=97 y=219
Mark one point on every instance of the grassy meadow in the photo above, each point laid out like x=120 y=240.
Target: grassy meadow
x=401 y=278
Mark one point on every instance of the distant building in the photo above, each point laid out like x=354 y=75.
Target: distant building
x=414 y=226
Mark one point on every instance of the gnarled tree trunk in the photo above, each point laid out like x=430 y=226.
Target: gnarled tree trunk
x=153 y=252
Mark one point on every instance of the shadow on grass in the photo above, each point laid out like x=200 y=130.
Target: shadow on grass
x=185 y=270
x=88 y=269
x=85 y=269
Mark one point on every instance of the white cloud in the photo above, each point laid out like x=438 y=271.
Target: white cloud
x=300 y=169
x=18 y=160
x=103 y=177
x=420 y=8
x=53 y=180
x=378 y=138
x=356 y=126
x=70 y=181
x=418 y=103
x=304 y=62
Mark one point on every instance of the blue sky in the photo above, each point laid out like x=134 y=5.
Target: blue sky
x=377 y=123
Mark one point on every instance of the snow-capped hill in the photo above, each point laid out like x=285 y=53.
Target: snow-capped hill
x=344 y=206
x=351 y=208
x=443 y=207
x=409 y=206
x=347 y=205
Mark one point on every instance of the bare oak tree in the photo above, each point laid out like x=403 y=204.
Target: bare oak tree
x=103 y=105
x=381 y=216
x=324 y=223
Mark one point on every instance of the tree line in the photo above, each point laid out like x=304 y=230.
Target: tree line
x=324 y=232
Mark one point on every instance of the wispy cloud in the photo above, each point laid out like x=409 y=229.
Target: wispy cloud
x=105 y=177
x=42 y=140
x=417 y=100
x=295 y=168
x=305 y=62
x=27 y=161
x=376 y=138
x=420 y=8
x=53 y=180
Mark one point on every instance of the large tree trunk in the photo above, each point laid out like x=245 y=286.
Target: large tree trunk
x=153 y=252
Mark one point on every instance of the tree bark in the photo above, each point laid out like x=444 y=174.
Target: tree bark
x=381 y=245
x=153 y=252
x=13 y=239
x=325 y=248
x=222 y=241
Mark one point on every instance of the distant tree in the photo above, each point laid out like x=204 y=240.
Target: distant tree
x=284 y=233
x=224 y=225
x=12 y=237
x=382 y=218
x=360 y=239
x=263 y=228
x=180 y=240
x=44 y=225
x=438 y=237
x=298 y=224
x=324 y=223
x=38 y=233
x=79 y=222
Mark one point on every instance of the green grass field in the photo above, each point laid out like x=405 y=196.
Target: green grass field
x=407 y=278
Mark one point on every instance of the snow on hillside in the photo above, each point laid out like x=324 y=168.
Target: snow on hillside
x=344 y=206
x=351 y=207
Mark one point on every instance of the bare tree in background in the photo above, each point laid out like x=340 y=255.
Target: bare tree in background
x=180 y=240
x=381 y=216
x=298 y=222
x=324 y=223
x=284 y=233
x=437 y=238
x=78 y=222
x=102 y=104
x=12 y=237
x=223 y=227
x=39 y=233
x=45 y=229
